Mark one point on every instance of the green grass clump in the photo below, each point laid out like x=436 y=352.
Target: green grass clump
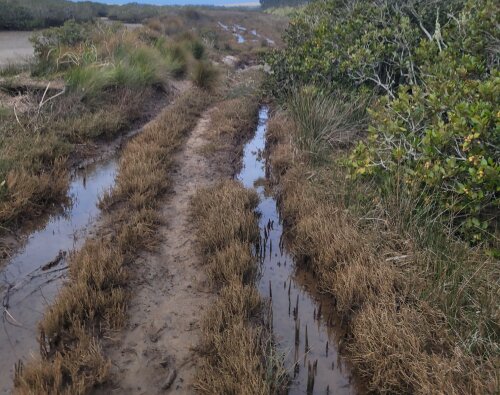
x=197 y=49
x=89 y=80
x=141 y=67
x=135 y=68
x=325 y=120
x=174 y=56
x=204 y=75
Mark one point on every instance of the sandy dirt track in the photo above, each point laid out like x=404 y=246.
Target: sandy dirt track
x=155 y=351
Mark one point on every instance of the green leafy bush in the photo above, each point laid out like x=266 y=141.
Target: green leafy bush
x=444 y=134
x=47 y=42
x=434 y=68
x=339 y=44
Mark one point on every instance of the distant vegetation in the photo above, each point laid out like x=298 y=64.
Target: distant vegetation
x=35 y=14
x=281 y=3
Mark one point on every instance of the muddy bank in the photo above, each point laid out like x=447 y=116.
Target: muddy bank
x=93 y=302
x=305 y=331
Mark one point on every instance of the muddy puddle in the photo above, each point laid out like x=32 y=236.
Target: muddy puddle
x=237 y=31
x=32 y=277
x=239 y=38
x=304 y=332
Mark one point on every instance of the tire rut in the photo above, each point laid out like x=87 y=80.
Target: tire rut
x=155 y=353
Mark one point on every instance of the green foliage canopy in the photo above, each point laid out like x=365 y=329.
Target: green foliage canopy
x=434 y=67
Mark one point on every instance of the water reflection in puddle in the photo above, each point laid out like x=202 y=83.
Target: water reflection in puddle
x=239 y=38
x=303 y=331
x=26 y=286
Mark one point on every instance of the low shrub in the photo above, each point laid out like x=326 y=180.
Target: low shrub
x=434 y=122
x=441 y=136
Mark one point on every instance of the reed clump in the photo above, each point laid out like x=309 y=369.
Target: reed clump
x=237 y=353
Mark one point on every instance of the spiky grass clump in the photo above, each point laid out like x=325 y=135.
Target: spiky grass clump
x=205 y=75
x=175 y=56
x=197 y=49
x=325 y=120
x=237 y=349
x=95 y=298
x=400 y=291
x=134 y=68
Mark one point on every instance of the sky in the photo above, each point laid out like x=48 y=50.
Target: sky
x=180 y=2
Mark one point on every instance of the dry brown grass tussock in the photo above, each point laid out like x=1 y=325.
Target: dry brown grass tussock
x=76 y=371
x=411 y=350
x=232 y=263
x=279 y=134
x=235 y=117
x=224 y=215
x=29 y=194
x=141 y=177
x=237 y=354
x=234 y=350
x=95 y=297
x=397 y=342
x=231 y=124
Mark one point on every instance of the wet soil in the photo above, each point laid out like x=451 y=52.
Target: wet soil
x=155 y=352
x=242 y=34
x=103 y=149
